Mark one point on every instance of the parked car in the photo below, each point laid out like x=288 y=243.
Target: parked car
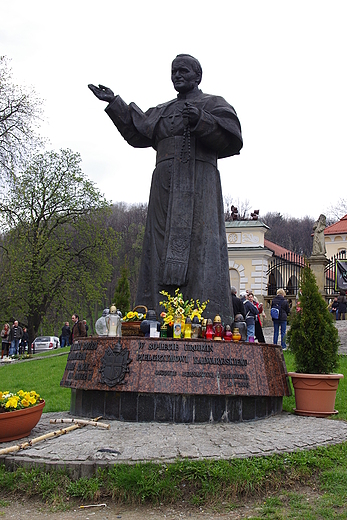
x=44 y=343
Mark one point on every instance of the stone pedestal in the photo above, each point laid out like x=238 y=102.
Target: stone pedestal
x=155 y=379
x=318 y=264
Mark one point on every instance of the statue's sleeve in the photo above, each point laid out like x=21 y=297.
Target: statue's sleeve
x=122 y=116
x=218 y=127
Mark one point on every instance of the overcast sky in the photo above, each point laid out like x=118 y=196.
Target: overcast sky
x=280 y=63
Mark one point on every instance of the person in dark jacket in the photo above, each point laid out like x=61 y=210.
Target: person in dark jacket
x=65 y=335
x=342 y=304
x=24 y=342
x=238 y=306
x=16 y=334
x=251 y=314
x=282 y=305
x=78 y=329
x=335 y=308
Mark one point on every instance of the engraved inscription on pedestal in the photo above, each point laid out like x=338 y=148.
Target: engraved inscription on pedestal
x=162 y=366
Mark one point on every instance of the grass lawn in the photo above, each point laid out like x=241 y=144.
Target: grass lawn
x=41 y=375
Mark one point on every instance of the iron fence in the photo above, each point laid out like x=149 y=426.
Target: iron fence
x=331 y=273
x=284 y=273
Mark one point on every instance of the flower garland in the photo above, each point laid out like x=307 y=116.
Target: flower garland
x=18 y=401
x=177 y=305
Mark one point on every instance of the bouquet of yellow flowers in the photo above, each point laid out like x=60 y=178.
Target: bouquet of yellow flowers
x=133 y=316
x=177 y=305
x=10 y=402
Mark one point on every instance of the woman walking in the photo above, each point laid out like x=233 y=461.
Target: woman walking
x=5 y=340
x=280 y=308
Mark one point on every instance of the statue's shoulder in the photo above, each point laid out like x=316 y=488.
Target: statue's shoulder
x=213 y=101
x=161 y=106
x=166 y=104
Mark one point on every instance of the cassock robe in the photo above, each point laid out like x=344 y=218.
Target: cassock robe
x=185 y=239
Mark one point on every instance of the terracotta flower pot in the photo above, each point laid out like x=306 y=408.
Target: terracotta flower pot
x=315 y=394
x=19 y=423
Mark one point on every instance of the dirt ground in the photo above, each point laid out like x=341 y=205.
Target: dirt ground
x=21 y=509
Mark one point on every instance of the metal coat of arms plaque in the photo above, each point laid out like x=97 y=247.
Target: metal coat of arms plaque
x=114 y=365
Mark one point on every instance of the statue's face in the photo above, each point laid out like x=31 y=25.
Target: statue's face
x=183 y=76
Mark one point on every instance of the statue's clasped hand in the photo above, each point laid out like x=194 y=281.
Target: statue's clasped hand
x=102 y=92
x=190 y=114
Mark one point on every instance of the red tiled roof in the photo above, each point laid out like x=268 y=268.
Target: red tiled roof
x=337 y=228
x=286 y=253
x=278 y=250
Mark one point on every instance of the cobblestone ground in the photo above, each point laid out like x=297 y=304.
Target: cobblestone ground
x=340 y=325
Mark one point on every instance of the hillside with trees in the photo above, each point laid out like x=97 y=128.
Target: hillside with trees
x=292 y=233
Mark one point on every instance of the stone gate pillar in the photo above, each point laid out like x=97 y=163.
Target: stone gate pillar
x=318 y=264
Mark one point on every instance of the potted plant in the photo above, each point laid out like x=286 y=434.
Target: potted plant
x=313 y=340
x=19 y=413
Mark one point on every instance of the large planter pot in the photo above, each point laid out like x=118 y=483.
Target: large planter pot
x=19 y=423
x=315 y=394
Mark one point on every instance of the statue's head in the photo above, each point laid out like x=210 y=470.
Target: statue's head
x=186 y=73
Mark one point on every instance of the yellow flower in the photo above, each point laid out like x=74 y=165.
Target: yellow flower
x=169 y=319
x=12 y=402
x=130 y=315
x=18 y=401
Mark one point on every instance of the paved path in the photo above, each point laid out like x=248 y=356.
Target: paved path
x=83 y=450
x=341 y=327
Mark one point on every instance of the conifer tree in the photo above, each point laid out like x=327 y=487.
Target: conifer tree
x=122 y=292
x=313 y=337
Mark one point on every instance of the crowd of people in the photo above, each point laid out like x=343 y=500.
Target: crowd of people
x=15 y=339
x=252 y=312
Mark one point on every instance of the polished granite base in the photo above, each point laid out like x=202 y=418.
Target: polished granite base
x=163 y=380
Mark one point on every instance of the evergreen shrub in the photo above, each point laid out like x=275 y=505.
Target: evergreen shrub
x=313 y=338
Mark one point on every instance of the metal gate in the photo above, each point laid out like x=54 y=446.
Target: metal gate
x=284 y=273
x=331 y=273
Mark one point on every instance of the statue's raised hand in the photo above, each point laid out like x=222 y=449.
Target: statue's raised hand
x=102 y=92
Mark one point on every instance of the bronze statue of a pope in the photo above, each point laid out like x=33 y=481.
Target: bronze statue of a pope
x=185 y=239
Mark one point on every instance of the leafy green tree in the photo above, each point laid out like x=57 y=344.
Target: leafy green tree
x=20 y=114
x=122 y=292
x=56 y=249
